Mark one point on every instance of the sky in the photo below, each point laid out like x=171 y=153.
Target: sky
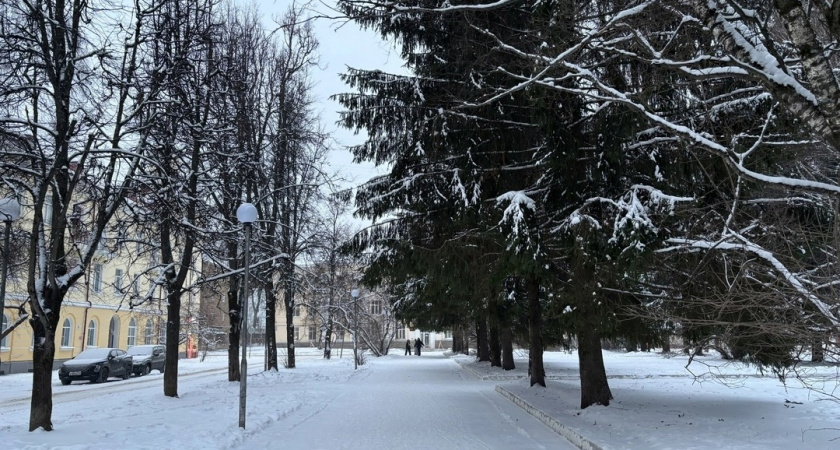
x=436 y=401
x=342 y=44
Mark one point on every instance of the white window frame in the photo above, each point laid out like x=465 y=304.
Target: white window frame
x=91 y=333
x=4 y=322
x=118 y=281
x=47 y=211
x=149 y=334
x=132 y=333
x=376 y=306
x=67 y=333
x=312 y=333
x=96 y=282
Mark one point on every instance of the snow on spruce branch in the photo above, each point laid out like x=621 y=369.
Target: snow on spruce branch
x=514 y=214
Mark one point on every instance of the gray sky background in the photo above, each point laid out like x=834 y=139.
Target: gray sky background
x=342 y=44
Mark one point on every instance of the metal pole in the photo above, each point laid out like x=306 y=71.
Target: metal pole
x=243 y=327
x=355 y=332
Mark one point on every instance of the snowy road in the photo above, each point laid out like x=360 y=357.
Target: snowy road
x=406 y=402
x=394 y=402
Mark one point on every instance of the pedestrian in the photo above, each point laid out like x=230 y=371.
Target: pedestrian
x=408 y=346
x=417 y=345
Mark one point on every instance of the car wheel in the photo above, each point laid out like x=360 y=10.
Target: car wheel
x=162 y=367
x=127 y=373
x=146 y=369
x=103 y=375
x=65 y=381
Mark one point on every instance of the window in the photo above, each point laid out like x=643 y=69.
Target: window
x=103 y=242
x=400 y=333
x=118 y=281
x=376 y=306
x=48 y=207
x=161 y=335
x=447 y=334
x=313 y=333
x=4 y=321
x=132 y=333
x=97 y=278
x=136 y=285
x=139 y=244
x=149 y=335
x=91 y=337
x=297 y=310
x=67 y=333
x=114 y=332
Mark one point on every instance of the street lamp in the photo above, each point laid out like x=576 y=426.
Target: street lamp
x=9 y=212
x=355 y=294
x=247 y=214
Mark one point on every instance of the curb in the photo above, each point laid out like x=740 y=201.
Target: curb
x=571 y=435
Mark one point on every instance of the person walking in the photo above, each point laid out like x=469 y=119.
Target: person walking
x=417 y=345
x=408 y=346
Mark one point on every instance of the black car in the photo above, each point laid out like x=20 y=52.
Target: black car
x=148 y=358
x=96 y=365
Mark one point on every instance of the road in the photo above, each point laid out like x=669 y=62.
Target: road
x=417 y=403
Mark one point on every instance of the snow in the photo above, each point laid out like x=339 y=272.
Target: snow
x=431 y=402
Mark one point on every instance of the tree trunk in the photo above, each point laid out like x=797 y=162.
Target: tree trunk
x=290 y=330
x=234 y=333
x=328 y=336
x=535 y=358
x=817 y=350
x=43 y=357
x=456 y=341
x=666 y=343
x=482 y=346
x=173 y=328
x=270 y=326
x=594 y=387
x=465 y=341
x=507 y=349
x=495 y=346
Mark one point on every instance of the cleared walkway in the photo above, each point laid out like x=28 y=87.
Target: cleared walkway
x=409 y=402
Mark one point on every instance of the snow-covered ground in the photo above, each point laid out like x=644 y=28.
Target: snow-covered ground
x=661 y=404
x=430 y=402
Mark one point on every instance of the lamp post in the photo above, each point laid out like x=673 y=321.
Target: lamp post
x=9 y=212
x=355 y=294
x=246 y=214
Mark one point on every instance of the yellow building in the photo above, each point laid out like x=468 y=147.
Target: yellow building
x=96 y=311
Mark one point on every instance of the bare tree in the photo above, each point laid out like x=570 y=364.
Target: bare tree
x=75 y=100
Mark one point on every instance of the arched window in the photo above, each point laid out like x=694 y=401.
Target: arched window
x=149 y=335
x=114 y=332
x=67 y=333
x=91 y=333
x=4 y=322
x=132 y=333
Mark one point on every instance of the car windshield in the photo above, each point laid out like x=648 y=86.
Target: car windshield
x=140 y=350
x=94 y=353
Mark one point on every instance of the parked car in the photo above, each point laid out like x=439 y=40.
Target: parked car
x=148 y=358
x=96 y=365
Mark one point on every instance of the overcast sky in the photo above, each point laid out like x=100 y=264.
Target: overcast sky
x=342 y=44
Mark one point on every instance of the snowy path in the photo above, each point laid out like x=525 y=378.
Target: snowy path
x=408 y=402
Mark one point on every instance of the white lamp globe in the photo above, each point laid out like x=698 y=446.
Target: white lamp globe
x=354 y=293
x=246 y=213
